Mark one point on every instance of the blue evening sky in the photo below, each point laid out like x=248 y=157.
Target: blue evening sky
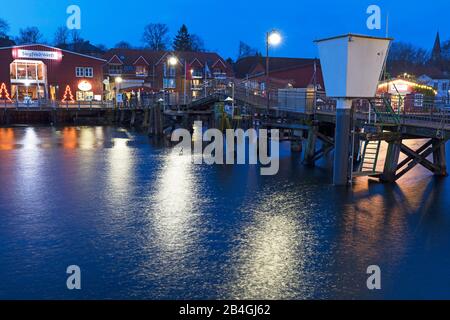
x=223 y=23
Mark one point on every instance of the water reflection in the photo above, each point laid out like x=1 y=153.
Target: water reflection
x=271 y=257
x=150 y=224
x=7 y=139
x=173 y=211
x=120 y=162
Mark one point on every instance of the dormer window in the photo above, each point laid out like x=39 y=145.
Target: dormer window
x=141 y=71
x=115 y=69
x=197 y=73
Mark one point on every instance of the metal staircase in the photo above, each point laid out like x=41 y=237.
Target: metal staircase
x=385 y=114
x=369 y=157
x=369 y=151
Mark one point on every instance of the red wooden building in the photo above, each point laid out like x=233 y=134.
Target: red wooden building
x=283 y=72
x=175 y=72
x=44 y=72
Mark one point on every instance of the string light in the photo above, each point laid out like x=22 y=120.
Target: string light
x=68 y=92
x=5 y=90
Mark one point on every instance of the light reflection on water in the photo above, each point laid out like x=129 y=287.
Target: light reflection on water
x=144 y=222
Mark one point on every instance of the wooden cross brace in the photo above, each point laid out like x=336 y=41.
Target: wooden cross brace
x=418 y=157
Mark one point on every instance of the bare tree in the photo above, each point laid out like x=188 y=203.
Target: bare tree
x=75 y=36
x=155 y=36
x=407 y=54
x=61 y=36
x=246 y=51
x=4 y=27
x=77 y=41
x=102 y=47
x=123 y=45
x=197 y=43
x=30 y=35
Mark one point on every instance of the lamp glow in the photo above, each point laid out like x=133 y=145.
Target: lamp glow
x=274 y=38
x=172 y=61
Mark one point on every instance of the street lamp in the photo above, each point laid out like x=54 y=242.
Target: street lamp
x=172 y=60
x=273 y=38
x=118 y=81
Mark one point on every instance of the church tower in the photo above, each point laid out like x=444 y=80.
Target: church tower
x=436 y=53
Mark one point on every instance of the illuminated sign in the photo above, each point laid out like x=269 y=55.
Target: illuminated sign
x=84 y=86
x=33 y=54
x=400 y=87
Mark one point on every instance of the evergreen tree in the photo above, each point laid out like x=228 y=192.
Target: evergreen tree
x=183 y=40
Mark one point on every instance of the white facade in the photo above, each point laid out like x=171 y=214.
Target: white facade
x=442 y=86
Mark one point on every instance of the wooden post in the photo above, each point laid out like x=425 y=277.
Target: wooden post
x=391 y=162
x=151 y=121
x=158 y=120
x=145 y=121
x=311 y=146
x=133 y=117
x=439 y=157
x=122 y=115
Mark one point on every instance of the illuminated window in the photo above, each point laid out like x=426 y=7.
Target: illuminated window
x=141 y=71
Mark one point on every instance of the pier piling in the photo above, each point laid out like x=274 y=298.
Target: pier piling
x=342 y=142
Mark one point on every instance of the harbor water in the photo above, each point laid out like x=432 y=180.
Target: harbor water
x=143 y=222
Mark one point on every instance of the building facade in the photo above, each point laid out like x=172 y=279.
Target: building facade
x=406 y=93
x=186 y=75
x=32 y=72
x=284 y=73
x=440 y=83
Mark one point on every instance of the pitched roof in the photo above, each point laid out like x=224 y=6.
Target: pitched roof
x=34 y=45
x=429 y=70
x=249 y=65
x=130 y=56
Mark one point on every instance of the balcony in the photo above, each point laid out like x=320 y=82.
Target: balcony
x=197 y=87
x=197 y=75
x=220 y=75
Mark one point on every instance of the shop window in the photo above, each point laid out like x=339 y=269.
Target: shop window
x=85 y=95
x=27 y=70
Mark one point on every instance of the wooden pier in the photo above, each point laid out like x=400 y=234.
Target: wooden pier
x=373 y=122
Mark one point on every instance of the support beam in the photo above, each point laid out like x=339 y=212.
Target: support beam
x=439 y=157
x=342 y=142
x=310 y=153
x=391 y=162
x=409 y=158
x=433 y=147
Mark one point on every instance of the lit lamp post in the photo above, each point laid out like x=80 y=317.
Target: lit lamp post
x=231 y=99
x=118 y=81
x=27 y=85
x=273 y=38
x=172 y=61
x=161 y=102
